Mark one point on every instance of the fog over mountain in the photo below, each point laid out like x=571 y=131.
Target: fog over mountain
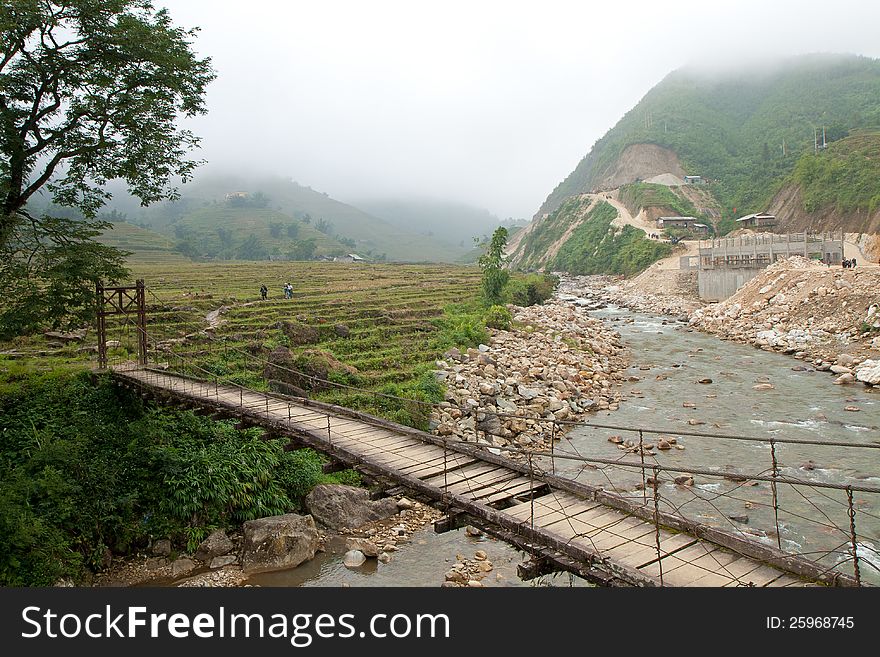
x=488 y=104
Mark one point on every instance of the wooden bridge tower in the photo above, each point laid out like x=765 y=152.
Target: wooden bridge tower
x=122 y=300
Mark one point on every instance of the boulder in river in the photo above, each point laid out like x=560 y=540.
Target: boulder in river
x=347 y=507
x=217 y=544
x=278 y=542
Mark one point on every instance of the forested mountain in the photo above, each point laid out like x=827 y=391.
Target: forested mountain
x=744 y=131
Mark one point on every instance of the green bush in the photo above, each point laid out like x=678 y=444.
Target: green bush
x=531 y=289
x=498 y=317
x=85 y=468
x=597 y=247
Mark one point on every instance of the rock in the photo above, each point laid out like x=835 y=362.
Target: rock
x=221 y=562
x=617 y=440
x=216 y=545
x=161 y=548
x=155 y=563
x=480 y=555
x=845 y=379
x=182 y=566
x=763 y=386
x=354 y=559
x=363 y=545
x=663 y=444
x=347 y=507
x=705 y=381
x=845 y=360
x=278 y=542
x=384 y=557
x=404 y=503
x=491 y=424
x=685 y=480
x=454 y=575
x=740 y=519
x=72 y=336
x=695 y=422
x=688 y=405
x=341 y=330
x=475 y=584
x=527 y=393
x=470 y=530
x=854 y=409
x=840 y=369
x=869 y=372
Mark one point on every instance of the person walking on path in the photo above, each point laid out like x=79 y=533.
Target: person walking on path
x=264 y=292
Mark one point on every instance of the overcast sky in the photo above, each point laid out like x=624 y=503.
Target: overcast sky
x=489 y=103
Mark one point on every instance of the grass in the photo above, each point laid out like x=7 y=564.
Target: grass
x=388 y=322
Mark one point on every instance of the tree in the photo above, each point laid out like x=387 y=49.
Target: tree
x=303 y=249
x=252 y=249
x=495 y=277
x=91 y=91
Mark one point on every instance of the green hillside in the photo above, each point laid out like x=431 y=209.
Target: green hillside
x=242 y=233
x=845 y=177
x=597 y=247
x=730 y=127
x=128 y=237
x=370 y=235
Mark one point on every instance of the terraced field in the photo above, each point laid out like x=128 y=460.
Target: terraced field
x=384 y=322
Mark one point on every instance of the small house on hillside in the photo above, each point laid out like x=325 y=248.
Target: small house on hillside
x=237 y=195
x=693 y=180
x=684 y=223
x=757 y=220
x=702 y=229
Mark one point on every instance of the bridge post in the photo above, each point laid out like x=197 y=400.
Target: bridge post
x=852 y=536
x=657 y=525
x=642 y=455
x=141 y=322
x=773 y=490
x=101 y=325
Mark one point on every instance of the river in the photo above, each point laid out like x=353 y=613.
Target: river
x=670 y=361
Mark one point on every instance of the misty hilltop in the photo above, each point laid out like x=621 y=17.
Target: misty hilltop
x=729 y=127
x=225 y=216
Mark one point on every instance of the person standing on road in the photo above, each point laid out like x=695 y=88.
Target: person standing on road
x=264 y=292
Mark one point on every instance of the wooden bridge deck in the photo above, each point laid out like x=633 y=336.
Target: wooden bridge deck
x=602 y=543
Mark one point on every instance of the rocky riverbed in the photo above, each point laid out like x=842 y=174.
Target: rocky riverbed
x=827 y=317
x=555 y=364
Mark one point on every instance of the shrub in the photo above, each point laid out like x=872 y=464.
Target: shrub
x=498 y=317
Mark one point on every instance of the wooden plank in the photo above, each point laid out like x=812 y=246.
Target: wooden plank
x=469 y=487
x=512 y=490
x=553 y=501
x=409 y=455
x=462 y=474
x=426 y=469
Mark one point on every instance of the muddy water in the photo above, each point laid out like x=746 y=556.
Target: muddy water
x=670 y=360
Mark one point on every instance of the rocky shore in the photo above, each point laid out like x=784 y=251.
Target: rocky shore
x=826 y=317
x=369 y=529
x=554 y=365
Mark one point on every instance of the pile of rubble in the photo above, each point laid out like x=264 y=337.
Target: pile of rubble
x=555 y=365
x=829 y=316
